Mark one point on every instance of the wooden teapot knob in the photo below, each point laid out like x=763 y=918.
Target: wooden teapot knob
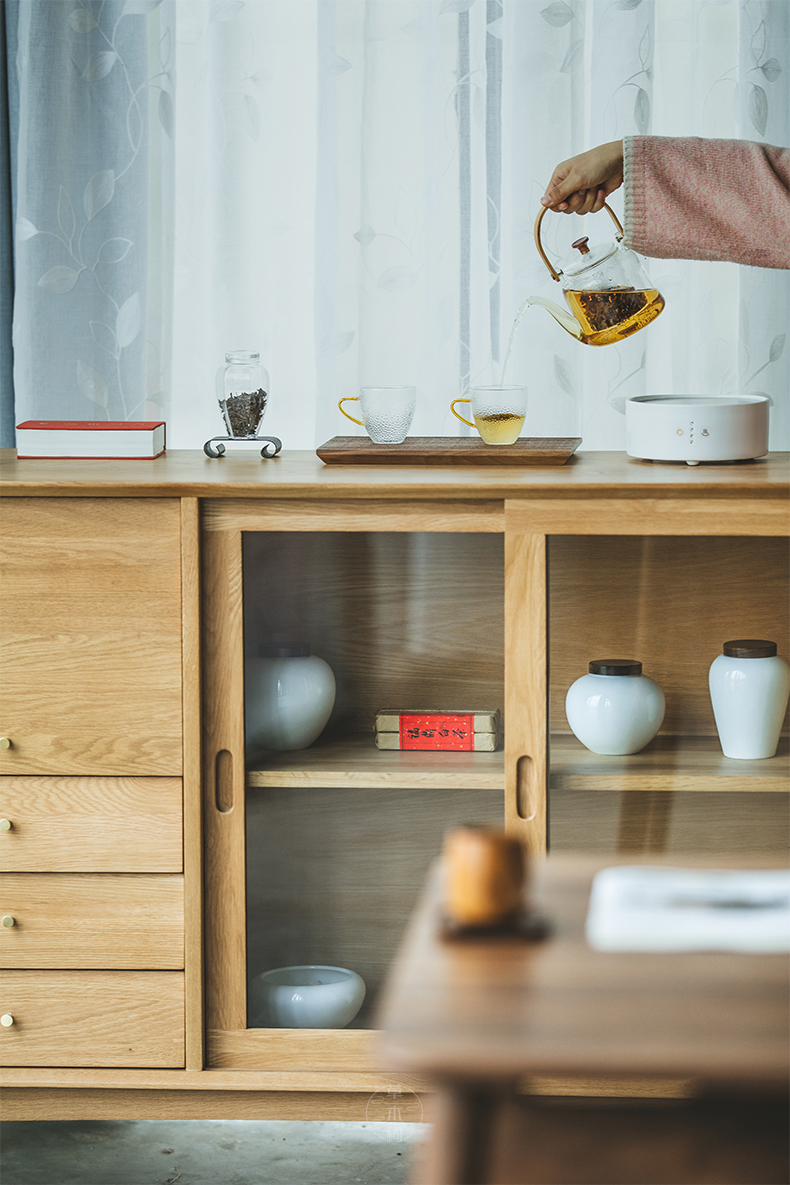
x=485 y=871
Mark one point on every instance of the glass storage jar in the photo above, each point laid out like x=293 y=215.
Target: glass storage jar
x=242 y=393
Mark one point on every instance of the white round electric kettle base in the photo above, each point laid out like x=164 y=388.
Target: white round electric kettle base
x=694 y=428
x=305 y=997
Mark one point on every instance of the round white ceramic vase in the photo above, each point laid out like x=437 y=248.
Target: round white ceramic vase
x=749 y=688
x=307 y=997
x=615 y=709
x=289 y=698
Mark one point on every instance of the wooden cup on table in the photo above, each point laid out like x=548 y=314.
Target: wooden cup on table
x=484 y=871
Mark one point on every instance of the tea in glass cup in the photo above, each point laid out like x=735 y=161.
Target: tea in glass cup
x=498 y=412
x=387 y=412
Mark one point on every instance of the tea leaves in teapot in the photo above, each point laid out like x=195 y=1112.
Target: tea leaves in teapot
x=613 y=314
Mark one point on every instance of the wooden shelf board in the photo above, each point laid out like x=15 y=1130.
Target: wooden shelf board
x=356 y=762
x=675 y=763
x=349 y=1050
x=668 y=763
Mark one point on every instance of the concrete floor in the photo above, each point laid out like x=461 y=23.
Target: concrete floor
x=214 y=1152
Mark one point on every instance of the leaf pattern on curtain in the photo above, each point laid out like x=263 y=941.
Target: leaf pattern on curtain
x=84 y=210
x=652 y=67
x=763 y=98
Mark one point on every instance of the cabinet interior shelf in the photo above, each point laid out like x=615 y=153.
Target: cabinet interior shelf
x=668 y=763
x=355 y=761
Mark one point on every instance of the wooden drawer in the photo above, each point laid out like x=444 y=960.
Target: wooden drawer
x=82 y=920
x=92 y=1018
x=91 y=824
x=90 y=649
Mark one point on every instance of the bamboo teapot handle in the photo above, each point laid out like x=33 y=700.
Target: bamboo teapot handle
x=555 y=275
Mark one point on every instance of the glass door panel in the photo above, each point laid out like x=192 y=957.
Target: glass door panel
x=670 y=603
x=339 y=836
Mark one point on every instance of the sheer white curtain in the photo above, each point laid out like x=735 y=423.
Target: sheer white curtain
x=582 y=74
x=354 y=185
x=357 y=182
x=317 y=207
x=93 y=100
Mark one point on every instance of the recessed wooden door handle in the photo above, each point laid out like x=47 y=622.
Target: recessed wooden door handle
x=223 y=781
x=8 y=921
x=526 y=799
x=6 y=1020
x=5 y=742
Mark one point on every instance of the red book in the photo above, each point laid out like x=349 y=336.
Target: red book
x=109 y=440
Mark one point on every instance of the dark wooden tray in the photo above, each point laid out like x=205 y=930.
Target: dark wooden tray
x=448 y=450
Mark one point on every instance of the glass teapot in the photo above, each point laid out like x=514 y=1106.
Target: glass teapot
x=607 y=289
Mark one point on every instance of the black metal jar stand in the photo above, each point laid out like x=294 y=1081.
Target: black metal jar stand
x=271 y=445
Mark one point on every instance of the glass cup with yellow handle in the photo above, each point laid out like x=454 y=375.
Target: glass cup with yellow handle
x=498 y=412
x=387 y=412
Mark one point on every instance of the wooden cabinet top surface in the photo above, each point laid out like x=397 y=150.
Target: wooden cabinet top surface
x=299 y=474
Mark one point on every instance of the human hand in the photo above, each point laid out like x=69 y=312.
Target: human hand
x=582 y=184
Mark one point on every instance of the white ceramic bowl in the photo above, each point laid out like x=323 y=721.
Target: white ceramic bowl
x=289 y=698
x=309 y=997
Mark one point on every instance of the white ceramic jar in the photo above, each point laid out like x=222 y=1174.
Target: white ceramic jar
x=749 y=688
x=308 y=997
x=289 y=696
x=615 y=709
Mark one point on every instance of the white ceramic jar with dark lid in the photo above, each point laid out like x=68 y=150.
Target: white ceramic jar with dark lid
x=615 y=709
x=749 y=688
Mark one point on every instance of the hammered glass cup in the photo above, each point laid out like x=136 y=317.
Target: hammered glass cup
x=498 y=412
x=387 y=412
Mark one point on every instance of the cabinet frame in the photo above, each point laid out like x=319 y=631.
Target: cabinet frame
x=526 y=524
x=229 y=1041
x=327 y=1074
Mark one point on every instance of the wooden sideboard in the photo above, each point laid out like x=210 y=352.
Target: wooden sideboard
x=150 y=866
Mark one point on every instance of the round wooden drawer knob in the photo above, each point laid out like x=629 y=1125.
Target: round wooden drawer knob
x=8 y=921
x=5 y=824
x=484 y=872
x=6 y=1020
x=5 y=742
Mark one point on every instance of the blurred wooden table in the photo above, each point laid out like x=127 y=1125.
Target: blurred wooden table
x=478 y=1018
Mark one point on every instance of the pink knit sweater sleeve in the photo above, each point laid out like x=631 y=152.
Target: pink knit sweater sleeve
x=687 y=198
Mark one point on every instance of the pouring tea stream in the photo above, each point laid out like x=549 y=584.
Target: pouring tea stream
x=607 y=289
